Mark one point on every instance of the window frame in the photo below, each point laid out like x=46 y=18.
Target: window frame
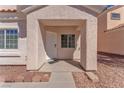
x=115 y=18
x=9 y=49
x=68 y=41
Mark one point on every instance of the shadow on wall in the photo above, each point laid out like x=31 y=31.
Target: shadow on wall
x=22 y=29
x=43 y=33
x=63 y=53
x=76 y=52
x=66 y=53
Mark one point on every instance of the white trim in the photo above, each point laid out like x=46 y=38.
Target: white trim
x=4 y=39
x=11 y=19
x=10 y=54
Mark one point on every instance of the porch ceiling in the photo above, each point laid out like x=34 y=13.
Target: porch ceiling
x=63 y=24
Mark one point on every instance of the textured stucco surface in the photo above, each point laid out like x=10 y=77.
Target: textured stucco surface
x=112 y=23
x=111 y=41
x=35 y=58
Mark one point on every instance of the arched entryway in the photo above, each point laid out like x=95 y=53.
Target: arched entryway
x=36 y=34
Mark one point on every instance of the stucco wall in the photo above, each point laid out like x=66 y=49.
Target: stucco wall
x=112 y=23
x=102 y=26
x=112 y=41
x=61 y=12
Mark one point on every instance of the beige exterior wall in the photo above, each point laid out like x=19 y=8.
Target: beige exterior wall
x=113 y=23
x=14 y=56
x=110 y=42
x=102 y=26
x=36 y=51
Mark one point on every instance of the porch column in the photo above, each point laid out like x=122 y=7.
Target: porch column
x=89 y=46
x=35 y=43
x=31 y=45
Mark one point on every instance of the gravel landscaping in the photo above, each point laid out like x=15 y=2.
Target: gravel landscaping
x=110 y=72
x=20 y=74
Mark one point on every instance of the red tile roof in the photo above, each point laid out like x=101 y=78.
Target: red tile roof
x=8 y=10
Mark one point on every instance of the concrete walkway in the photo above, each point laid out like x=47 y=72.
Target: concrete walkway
x=61 y=76
x=61 y=80
x=57 y=80
x=62 y=66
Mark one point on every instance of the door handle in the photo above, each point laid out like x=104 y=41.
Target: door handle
x=55 y=45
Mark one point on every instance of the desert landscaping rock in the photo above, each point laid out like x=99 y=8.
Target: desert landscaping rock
x=19 y=78
x=36 y=78
x=2 y=78
x=9 y=78
x=92 y=76
x=110 y=73
x=20 y=74
x=46 y=75
x=28 y=76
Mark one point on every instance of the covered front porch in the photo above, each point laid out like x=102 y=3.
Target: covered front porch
x=61 y=37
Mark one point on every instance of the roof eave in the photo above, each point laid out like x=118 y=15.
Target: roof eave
x=32 y=8
x=35 y=7
x=110 y=9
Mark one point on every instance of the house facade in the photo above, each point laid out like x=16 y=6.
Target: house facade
x=33 y=35
x=110 y=35
x=13 y=49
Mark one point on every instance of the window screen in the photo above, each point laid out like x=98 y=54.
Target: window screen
x=9 y=39
x=1 y=39
x=115 y=16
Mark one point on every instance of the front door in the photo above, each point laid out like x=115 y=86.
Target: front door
x=51 y=45
x=67 y=44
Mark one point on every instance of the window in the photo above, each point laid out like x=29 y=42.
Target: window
x=8 y=39
x=115 y=16
x=1 y=39
x=68 y=41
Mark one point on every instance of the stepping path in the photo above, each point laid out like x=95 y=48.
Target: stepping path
x=61 y=80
